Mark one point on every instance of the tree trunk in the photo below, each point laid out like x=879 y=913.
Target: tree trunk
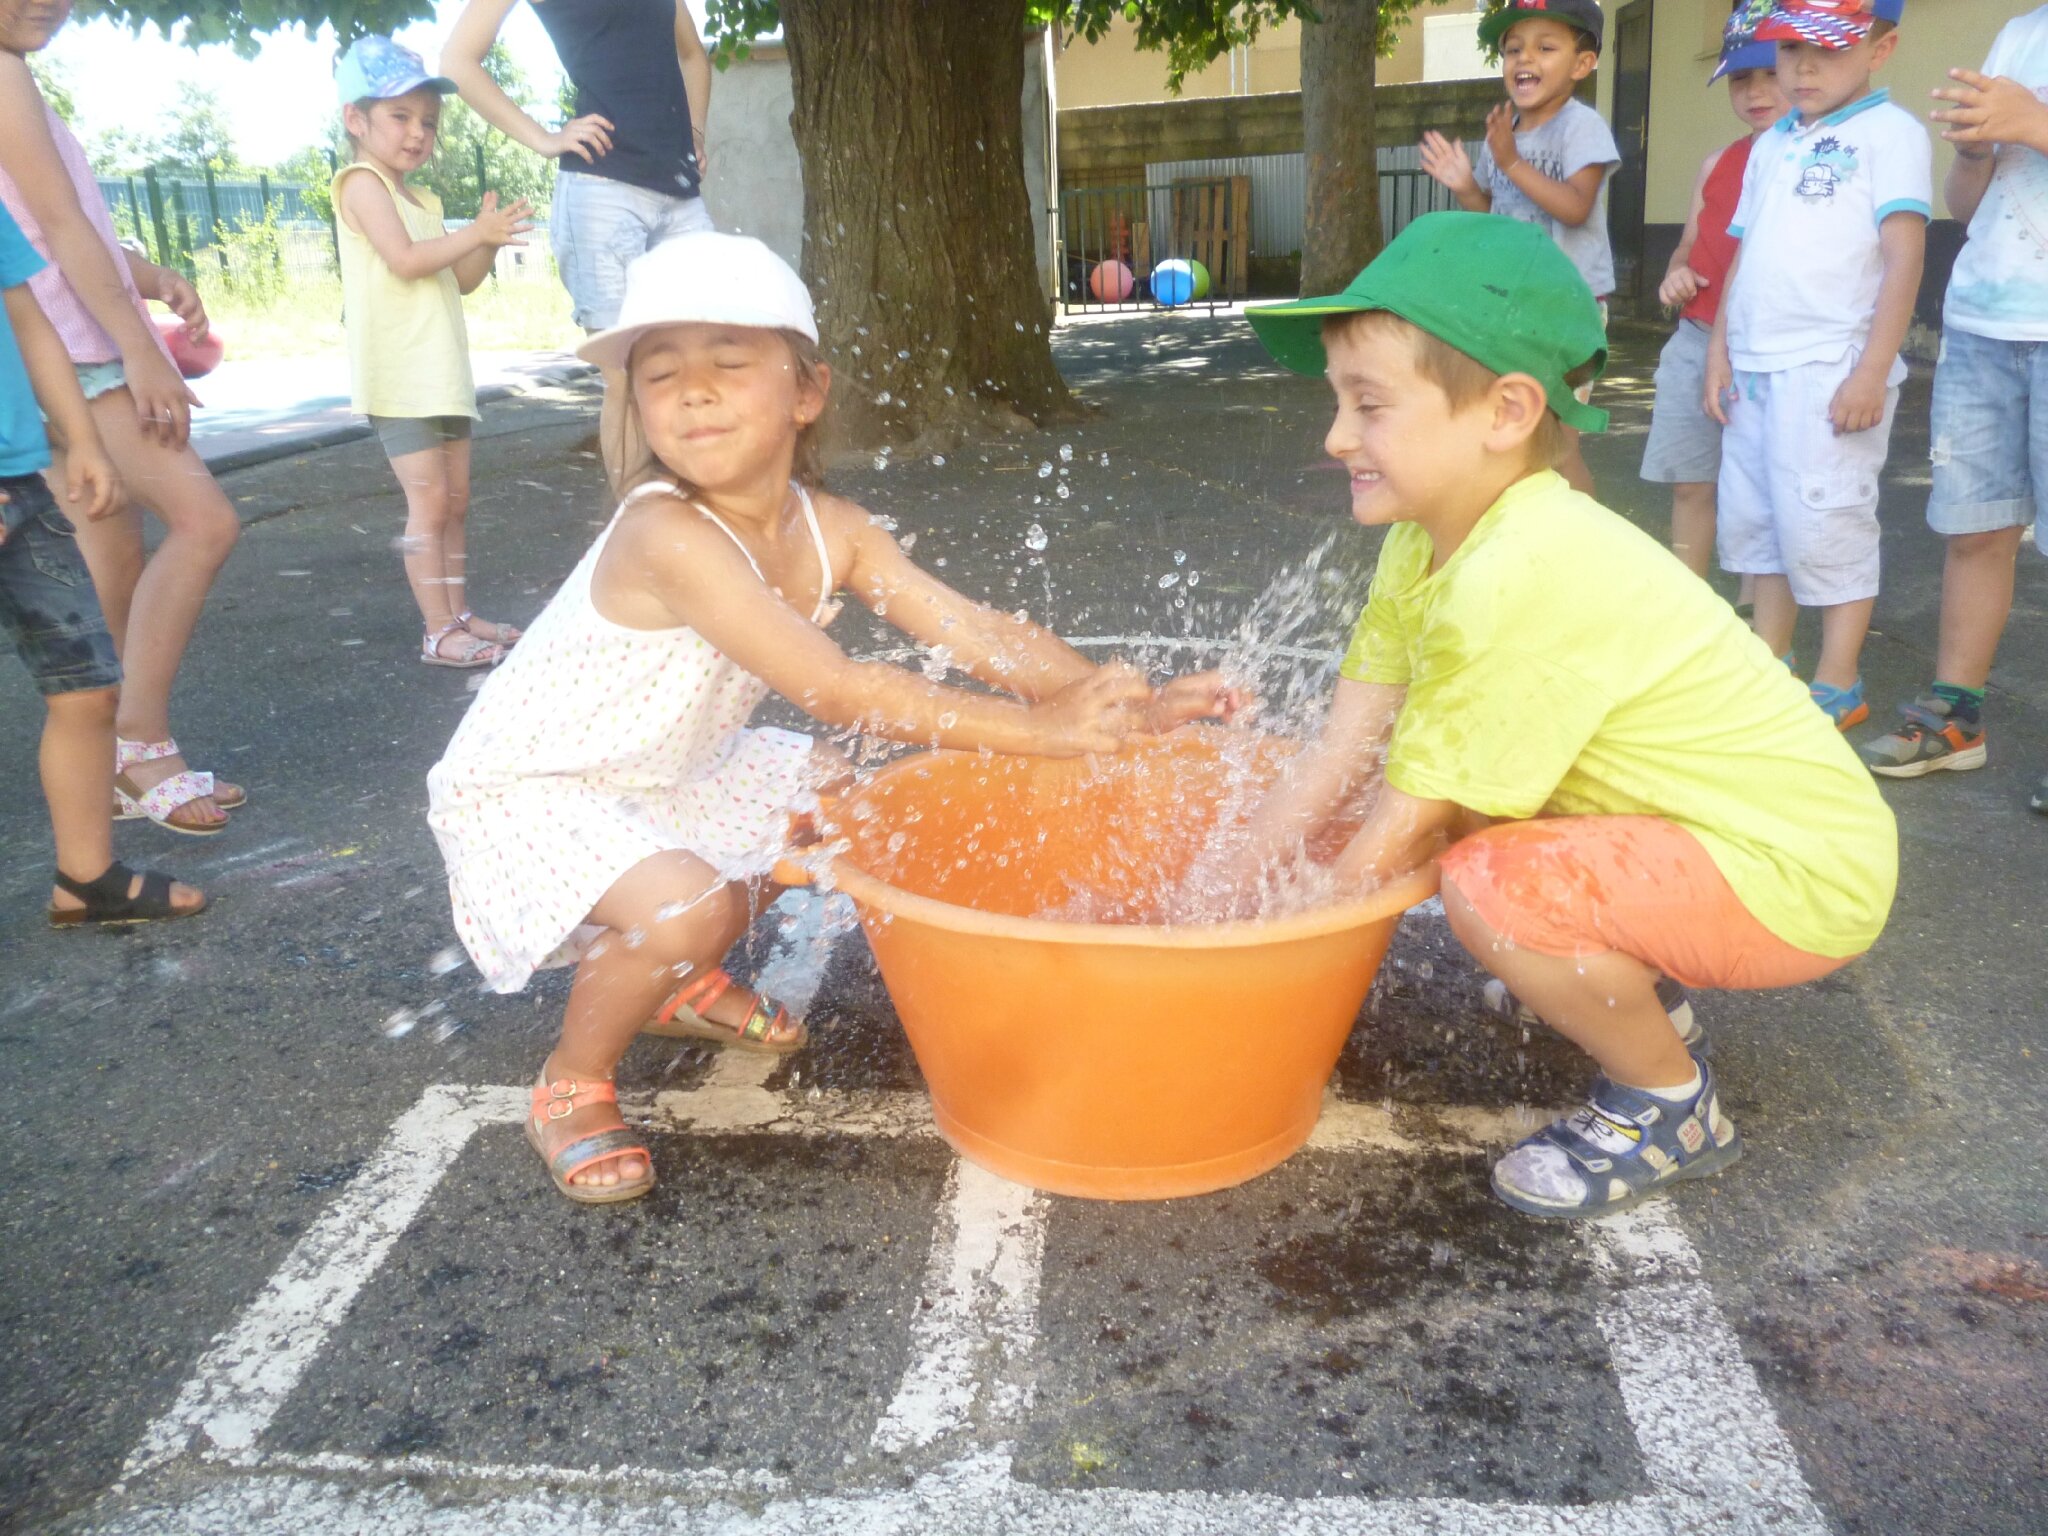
x=1339 y=64
x=918 y=246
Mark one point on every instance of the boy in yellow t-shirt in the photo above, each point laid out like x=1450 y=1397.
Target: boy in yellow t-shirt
x=1620 y=781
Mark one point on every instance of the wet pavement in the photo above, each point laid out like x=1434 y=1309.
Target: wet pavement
x=278 y=1258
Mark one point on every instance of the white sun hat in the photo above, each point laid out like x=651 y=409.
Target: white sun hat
x=706 y=278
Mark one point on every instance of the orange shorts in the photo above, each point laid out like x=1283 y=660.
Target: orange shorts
x=1640 y=885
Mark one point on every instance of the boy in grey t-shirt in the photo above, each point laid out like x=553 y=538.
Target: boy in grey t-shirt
x=1547 y=156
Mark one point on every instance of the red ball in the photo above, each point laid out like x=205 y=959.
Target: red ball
x=195 y=359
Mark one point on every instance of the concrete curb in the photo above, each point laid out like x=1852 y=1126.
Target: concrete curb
x=236 y=454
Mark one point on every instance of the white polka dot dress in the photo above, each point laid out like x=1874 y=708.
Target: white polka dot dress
x=593 y=747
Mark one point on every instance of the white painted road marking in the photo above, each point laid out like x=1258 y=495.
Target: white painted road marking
x=1712 y=1450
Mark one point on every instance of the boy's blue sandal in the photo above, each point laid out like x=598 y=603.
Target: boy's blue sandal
x=1617 y=1150
x=1844 y=706
x=1503 y=1004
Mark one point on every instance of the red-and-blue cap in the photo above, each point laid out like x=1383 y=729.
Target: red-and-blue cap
x=1826 y=23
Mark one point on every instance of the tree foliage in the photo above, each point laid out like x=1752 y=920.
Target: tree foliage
x=242 y=24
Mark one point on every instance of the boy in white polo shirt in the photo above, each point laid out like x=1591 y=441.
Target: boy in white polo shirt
x=1804 y=366
x=1989 y=420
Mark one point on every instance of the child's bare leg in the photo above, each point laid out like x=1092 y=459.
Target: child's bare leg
x=666 y=917
x=1606 y=1004
x=1692 y=525
x=1776 y=615
x=1843 y=627
x=423 y=476
x=1976 y=598
x=1572 y=463
x=153 y=607
x=77 y=765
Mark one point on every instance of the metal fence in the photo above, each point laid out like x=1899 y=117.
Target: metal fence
x=1186 y=244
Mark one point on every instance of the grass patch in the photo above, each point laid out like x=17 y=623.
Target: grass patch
x=301 y=315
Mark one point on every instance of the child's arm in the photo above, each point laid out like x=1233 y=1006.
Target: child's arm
x=163 y=405
x=170 y=288
x=704 y=582
x=462 y=60
x=1003 y=650
x=89 y=477
x=1859 y=404
x=1402 y=833
x=1570 y=201
x=1720 y=372
x=1446 y=161
x=372 y=211
x=1345 y=758
x=1681 y=284
x=1989 y=110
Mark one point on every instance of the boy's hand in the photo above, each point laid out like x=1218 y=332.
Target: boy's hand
x=1720 y=385
x=589 y=137
x=90 y=480
x=1446 y=162
x=185 y=303
x=1500 y=136
x=1198 y=696
x=1680 y=287
x=1989 y=110
x=503 y=226
x=1859 y=404
x=163 y=405
x=1094 y=714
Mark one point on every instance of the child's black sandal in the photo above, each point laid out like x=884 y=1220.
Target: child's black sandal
x=107 y=901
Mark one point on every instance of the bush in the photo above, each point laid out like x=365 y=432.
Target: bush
x=247 y=261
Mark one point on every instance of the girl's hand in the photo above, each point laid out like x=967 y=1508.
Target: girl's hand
x=1198 y=696
x=1989 y=110
x=1680 y=287
x=1500 y=136
x=90 y=480
x=589 y=137
x=697 y=147
x=163 y=405
x=185 y=303
x=1094 y=714
x=1446 y=161
x=503 y=226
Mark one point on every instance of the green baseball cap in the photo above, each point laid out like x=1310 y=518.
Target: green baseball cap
x=1498 y=290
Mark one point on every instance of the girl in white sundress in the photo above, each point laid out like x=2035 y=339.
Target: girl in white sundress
x=604 y=804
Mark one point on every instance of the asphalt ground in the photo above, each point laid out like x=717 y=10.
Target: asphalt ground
x=278 y=1259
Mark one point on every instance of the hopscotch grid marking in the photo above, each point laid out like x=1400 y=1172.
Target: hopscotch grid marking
x=1709 y=1442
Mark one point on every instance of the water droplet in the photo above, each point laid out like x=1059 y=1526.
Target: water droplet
x=445 y=960
x=884 y=398
x=1035 y=537
x=1063 y=490
x=1180 y=557
x=399 y=1023
x=1170 y=579
x=1045 y=470
x=1194 y=578
x=1066 y=453
x=948 y=720
x=881 y=461
x=939 y=459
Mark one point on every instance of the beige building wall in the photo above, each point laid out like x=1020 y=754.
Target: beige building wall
x=1114 y=72
x=1688 y=119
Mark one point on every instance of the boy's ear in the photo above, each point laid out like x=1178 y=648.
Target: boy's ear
x=1882 y=49
x=1518 y=403
x=1586 y=62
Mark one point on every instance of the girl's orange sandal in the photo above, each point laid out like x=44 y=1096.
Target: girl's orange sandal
x=767 y=1026
x=555 y=1101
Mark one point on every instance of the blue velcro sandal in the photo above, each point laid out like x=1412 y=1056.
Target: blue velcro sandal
x=1845 y=706
x=1616 y=1151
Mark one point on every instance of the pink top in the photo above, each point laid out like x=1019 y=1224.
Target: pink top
x=84 y=337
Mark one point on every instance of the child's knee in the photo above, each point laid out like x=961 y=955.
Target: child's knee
x=84 y=708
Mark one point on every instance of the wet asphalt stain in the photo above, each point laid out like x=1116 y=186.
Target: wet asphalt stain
x=1370 y=1325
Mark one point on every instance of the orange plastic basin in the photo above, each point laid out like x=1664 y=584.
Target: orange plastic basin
x=1116 y=1060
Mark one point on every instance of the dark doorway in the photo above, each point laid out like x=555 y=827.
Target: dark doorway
x=1625 y=189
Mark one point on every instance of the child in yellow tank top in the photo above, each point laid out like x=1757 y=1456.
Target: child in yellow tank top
x=403 y=274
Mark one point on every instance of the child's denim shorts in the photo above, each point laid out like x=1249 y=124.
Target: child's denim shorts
x=47 y=603
x=599 y=225
x=1987 y=433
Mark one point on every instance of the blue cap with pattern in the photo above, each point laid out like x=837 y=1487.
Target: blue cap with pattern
x=1740 y=49
x=377 y=69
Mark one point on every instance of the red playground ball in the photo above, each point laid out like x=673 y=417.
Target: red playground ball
x=1111 y=282
x=195 y=359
